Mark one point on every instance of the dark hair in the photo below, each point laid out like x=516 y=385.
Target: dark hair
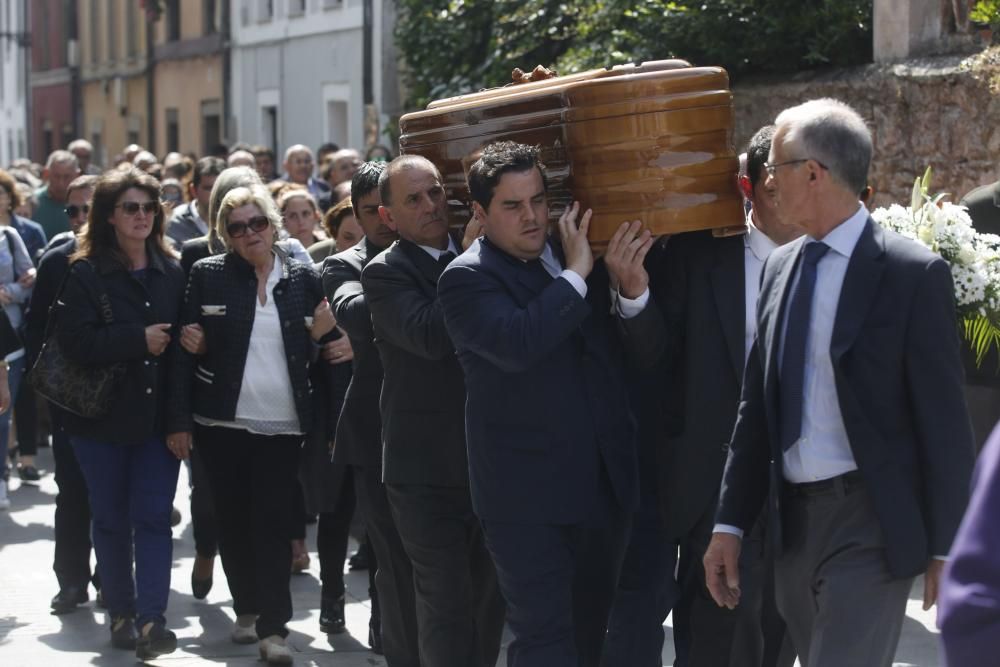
x=207 y=166
x=219 y=150
x=328 y=147
x=99 y=241
x=757 y=152
x=401 y=163
x=365 y=181
x=336 y=215
x=261 y=151
x=81 y=182
x=239 y=146
x=496 y=160
x=8 y=183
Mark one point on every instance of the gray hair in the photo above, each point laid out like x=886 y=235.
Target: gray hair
x=298 y=148
x=229 y=179
x=62 y=157
x=255 y=195
x=78 y=144
x=834 y=134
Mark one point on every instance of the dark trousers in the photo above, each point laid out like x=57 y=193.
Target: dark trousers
x=646 y=592
x=72 y=535
x=707 y=635
x=460 y=611
x=26 y=423
x=394 y=577
x=331 y=539
x=253 y=480
x=131 y=494
x=202 y=507
x=832 y=581
x=559 y=583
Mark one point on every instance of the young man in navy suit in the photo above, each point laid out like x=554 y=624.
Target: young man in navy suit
x=541 y=332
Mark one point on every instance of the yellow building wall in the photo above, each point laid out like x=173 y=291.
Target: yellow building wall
x=118 y=125
x=184 y=85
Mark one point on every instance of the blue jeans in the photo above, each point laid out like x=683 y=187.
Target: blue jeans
x=131 y=489
x=14 y=376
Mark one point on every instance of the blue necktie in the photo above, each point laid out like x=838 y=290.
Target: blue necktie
x=796 y=335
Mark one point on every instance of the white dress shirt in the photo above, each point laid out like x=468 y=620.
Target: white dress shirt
x=757 y=247
x=822 y=450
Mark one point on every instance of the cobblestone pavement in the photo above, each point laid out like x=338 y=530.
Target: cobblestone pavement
x=30 y=635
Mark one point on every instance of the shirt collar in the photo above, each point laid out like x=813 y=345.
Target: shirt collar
x=845 y=236
x=759 y=243
x=436 y=254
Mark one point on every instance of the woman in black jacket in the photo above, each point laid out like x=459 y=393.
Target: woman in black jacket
x=123 y=269
x=245 y=394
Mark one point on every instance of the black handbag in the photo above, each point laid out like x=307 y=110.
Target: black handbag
x=83 y=389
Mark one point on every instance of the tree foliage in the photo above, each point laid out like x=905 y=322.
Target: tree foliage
x=457 y=46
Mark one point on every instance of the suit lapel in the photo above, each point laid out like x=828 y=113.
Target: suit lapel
x=864 y=271
x=426 y=265
x=773 y=316
x=728 y=279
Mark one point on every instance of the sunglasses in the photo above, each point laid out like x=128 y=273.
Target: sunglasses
x=73 y=211
x=133 y=207
x=236 y=230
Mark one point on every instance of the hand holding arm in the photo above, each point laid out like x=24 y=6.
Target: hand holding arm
x=193 y=339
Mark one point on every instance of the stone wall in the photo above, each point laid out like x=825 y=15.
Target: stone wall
x=939 y=112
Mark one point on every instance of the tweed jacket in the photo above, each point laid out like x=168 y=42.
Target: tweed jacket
x=220 y=296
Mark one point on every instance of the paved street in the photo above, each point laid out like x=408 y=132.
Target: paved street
x=29 y=635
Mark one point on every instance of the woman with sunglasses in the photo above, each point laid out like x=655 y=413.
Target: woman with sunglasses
x=246 y=397
x=121 y=304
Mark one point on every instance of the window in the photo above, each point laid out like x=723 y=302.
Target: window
x=296 y=7
x=48 y=144
x=336 y=122
x=92 y=28
x=131 y=29
x=269 y=127
x=210 y=24
x=112 y=40
x=211 y=125
x=173 y=15
x=173 y=130
x=265 y=10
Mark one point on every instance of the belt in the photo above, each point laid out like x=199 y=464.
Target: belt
x=846 y=483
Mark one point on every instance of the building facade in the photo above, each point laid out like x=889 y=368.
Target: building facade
x=312 y=71
x=114 y=75
x=53 y=86
x=189 y=87
x=15 y=61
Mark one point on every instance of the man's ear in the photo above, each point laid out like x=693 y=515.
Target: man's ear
x=386 y=216
x=746 y=189
x=478 y=211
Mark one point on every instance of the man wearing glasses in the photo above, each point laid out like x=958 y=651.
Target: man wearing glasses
x=852 y=432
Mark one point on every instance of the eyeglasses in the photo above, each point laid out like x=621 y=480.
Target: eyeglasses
x=133 y=207
x=73 y=211
x=237 y=230
x=772 y=168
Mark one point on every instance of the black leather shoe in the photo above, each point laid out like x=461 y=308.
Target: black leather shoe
x=331 y=615
x=123 y=633
x=359 y=559
x=200 y=587
x=68 y=598
x=375 y=639
x=158 y=641
x=28 y=474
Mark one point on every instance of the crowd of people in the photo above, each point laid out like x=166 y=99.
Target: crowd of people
x=765 y=434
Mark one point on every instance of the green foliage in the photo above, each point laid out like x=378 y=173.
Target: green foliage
x=457 y=46
x=982 y=335
x=986 y=12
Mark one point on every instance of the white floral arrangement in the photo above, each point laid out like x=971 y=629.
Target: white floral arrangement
x=974 y=258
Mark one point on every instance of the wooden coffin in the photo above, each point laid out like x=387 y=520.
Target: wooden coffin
x=650 y=142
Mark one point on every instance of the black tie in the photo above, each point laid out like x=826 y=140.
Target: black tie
x=796 y=335
x=444 y=259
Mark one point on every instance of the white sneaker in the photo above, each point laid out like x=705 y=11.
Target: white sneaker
x=4 y=500
x=244 y=631
x=275 y=651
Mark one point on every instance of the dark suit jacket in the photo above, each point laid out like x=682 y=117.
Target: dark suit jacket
x=699 y=285
x=984 y=209
x=969 y=611
x=545 y=376
x=182 y=227
x=358 y=440
x=898 y=379
x=423 y=393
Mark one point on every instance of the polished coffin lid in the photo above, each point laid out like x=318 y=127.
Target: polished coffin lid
x=651 y=142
